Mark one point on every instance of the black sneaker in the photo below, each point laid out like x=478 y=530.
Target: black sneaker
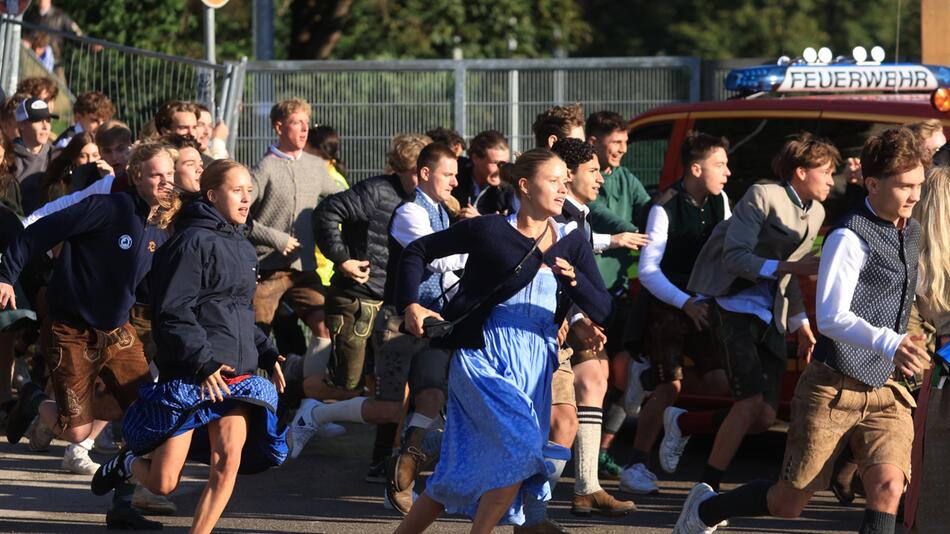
x=376 y=473
x=127 y=518
x=110 y=474
x=22 y=413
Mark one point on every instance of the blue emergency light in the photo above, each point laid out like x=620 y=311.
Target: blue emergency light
x=838 y=78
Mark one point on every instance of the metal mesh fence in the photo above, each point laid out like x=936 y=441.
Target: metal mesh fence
x=369 y=102
x=137 y=81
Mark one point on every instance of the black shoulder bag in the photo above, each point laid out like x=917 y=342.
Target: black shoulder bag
x=435 y=328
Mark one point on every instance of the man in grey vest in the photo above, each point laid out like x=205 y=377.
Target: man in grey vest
x=849 y=396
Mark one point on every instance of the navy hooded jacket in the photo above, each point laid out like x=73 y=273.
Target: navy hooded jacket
x=202 y=284
x=107 y=251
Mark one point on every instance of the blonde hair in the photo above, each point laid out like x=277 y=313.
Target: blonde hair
x=141 y=154
x=404 y=152
x=282 y=110
x=933 y=214
x=925 y=128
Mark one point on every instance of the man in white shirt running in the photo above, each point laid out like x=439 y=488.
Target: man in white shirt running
x=678 y=322
x=848 y=395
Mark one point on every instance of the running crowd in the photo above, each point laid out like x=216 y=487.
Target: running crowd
x=476 y=309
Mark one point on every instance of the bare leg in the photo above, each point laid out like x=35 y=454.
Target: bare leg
x=563 y=424
x=884 y=484
x=227 y=436
x=315 y=320
x=746 y=416
x=492 y=506
x=590 y=382
x=160 y=473
x=97 y=427
x=651 y=415
x=422 y=514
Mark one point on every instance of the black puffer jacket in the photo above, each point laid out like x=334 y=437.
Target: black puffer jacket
x=364 y=211
x=202 y=283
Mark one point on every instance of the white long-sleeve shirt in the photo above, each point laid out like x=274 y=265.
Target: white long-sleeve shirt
x=843 y=256
x=102 y=186
x=410 y=222
x=600 y=242
x=651 y=255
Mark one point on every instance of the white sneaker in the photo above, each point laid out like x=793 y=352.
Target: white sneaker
x=76 y=460
x=330 y=430
x=634 y=394
x=638 y=480
x=302 y=428
x=689 y=521
x=673 y=443
x=104 y=444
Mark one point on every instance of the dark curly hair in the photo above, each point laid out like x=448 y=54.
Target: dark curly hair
x=574 y=152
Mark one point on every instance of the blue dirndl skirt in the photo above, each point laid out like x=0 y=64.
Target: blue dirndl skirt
x=167 y=409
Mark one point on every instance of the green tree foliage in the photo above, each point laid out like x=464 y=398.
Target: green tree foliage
x=433 y=28
x=748 y=28
x=379 y=29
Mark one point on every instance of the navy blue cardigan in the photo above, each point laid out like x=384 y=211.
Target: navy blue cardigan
x=107 y=251
x=495 y=248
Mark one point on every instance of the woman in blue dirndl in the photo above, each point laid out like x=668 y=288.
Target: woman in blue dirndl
x=495 y=445
x=208 y=405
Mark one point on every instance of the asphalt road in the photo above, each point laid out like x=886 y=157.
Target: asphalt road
x=324 y=491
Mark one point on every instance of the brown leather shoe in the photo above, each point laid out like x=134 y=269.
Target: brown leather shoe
x=601 y=503
x=407 y=464
x=548 y=526
x=401 y=501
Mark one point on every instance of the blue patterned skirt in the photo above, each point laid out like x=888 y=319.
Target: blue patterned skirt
x=167 y=409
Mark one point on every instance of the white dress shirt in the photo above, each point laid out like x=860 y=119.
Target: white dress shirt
x=601 y=242
x=651 y=255
x=411 y=222
x=842 y=258
x=759 y=299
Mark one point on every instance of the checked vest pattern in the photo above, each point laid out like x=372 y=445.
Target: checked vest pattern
x=431 y=287
x=883 y=296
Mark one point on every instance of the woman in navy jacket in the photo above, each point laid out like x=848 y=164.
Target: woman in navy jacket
x=208 y=404
x=495 y=444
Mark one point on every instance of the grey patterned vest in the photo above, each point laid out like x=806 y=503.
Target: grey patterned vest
x=883 y=296
x=431 y=287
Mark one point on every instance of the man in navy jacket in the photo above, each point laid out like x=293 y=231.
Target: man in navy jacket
x=108 y=243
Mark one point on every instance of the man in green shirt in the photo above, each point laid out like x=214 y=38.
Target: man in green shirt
x=622 y=201
x=619 y=207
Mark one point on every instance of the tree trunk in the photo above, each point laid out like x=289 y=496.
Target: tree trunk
x=316 y=27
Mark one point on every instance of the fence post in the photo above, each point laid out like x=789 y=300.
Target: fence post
x=515 y=128
x=10 y=59
x=461 y=74
x=695 y=78
x=231 y=95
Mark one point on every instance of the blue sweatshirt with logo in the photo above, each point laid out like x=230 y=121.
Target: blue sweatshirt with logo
x=107 y=251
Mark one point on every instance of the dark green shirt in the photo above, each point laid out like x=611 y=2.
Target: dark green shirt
x=621 y=205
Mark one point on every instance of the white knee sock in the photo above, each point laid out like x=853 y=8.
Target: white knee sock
x=349 y=410
x=419 y=421
x=316 y=358
x=587 y=450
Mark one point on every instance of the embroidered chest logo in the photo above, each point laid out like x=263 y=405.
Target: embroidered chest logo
x=151 y=246
x=125 y=242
